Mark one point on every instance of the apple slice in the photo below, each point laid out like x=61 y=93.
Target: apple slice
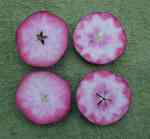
x=42 y=39
x=103 y=98
x=43 y=97
x=100 y=38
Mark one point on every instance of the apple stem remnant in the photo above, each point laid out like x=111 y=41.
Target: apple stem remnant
x=41 y=37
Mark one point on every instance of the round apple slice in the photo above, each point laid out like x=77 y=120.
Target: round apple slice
x=103 y=98
x=43 y=97
x=42 y=39
x=100 y=38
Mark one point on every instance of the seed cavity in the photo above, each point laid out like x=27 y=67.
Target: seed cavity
x=44 y=98
x=99 y=37
x=41 y=37
x=101 y=98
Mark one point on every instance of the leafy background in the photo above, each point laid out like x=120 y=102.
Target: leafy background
x=133 y=65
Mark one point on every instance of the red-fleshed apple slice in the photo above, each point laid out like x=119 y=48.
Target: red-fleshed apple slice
x=100 y=38
x=43 y=97
x=41 y=39
x=103 y=98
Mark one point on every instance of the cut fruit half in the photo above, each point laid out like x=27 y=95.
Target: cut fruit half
x=100 y=38
x=42 y=39
x=103 y=98
x=43 y=97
